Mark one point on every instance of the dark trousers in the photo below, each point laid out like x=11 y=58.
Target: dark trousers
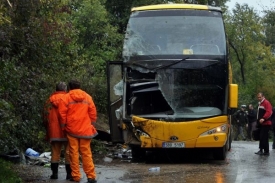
x=239 y=132
x=251 y=127
x=264 y=145
x=273 y=145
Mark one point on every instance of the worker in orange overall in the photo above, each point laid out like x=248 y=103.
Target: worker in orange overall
x=78 y=115
x=54 y=133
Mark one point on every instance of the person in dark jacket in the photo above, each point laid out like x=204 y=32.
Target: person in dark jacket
x=241 y=121
x=264 y=123
x=273 y=126
x=252 y=118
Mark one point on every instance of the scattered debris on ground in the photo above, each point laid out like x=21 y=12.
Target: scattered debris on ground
x=114 y=152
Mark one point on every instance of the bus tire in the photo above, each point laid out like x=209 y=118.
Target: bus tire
x=220 y=153
x=229 y=141
x=138 y=153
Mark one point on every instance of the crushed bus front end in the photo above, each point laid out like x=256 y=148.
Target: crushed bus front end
x=175 y=88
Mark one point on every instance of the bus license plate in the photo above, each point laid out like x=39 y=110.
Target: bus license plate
x=173 y=145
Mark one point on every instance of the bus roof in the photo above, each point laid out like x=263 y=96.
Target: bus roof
x=175 y=6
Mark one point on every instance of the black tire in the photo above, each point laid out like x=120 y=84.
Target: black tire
x=229 y=141
x=138 y=153
x=220 y=153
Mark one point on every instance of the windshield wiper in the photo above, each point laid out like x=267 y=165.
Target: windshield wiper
x=168 y=65
x=156 y=68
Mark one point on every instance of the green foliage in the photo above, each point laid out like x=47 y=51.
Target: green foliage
x=251 y=59
x=97 y=146
x=99 y=43
x=42 y=43
x=7 y=174
x=269 y=25
x=36 y=50
x=8 y=125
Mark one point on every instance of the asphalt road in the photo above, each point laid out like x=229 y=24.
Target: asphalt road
x=240 y=166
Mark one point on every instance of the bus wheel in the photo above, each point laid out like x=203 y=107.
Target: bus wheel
x=138 y=153
x=229 y=142
x=220 y=153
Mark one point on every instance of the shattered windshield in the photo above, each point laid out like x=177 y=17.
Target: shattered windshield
x=193 y=93
x=179 y=92
x=175 y=32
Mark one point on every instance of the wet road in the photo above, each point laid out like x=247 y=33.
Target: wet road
x=240 y=166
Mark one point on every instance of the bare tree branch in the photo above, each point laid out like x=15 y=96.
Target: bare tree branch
x=9 y=3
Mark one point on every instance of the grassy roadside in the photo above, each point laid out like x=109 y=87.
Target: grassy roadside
x=7 y=175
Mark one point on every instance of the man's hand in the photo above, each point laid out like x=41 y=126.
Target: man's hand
x=261 y=120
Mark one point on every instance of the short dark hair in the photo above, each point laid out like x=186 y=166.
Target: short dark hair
x=61 y=86
x=74 y=84
x=261 y=93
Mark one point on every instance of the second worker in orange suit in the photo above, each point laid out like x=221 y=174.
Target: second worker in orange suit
x=78 y=115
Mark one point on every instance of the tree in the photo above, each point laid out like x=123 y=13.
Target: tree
x=43 y=42
x=248 y=54
x=36 y=44
x=99 y=42
x=269 y=26
x=243 y=29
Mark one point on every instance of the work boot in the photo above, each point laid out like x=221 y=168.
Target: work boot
x=54 y=168
x=69 y=171
x=91 y=180
x=72 y=179
x=260 y=152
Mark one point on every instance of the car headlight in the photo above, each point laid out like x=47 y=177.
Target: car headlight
x=219 y=129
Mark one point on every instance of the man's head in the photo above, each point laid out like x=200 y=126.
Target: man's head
x=250 y=106
x=61 y=86
x=243 y=107
x=260 y=96
x=74 y=84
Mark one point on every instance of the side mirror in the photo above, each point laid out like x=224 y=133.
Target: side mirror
x=233 y=96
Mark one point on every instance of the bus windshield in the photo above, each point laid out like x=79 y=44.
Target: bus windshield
x=175 y=32
x=181 y=93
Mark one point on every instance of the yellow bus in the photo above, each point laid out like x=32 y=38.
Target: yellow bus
x=173 y=88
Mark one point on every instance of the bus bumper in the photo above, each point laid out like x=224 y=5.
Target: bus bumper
x=214 y=140
x=210 y=141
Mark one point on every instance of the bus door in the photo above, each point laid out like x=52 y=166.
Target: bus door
x=115 y=91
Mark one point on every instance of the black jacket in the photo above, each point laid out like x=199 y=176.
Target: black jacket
x=273 y=118
x=252 y=116
x=241 y=118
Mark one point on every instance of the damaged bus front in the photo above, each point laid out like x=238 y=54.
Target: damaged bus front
x=174 y=88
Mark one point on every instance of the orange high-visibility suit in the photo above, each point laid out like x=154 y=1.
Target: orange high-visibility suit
x=55 y=134
x=78 y=113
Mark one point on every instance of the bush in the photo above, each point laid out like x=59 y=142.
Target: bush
x=7 y=175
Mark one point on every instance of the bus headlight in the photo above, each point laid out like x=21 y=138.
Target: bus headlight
x=141 y=133
x=219 y=129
